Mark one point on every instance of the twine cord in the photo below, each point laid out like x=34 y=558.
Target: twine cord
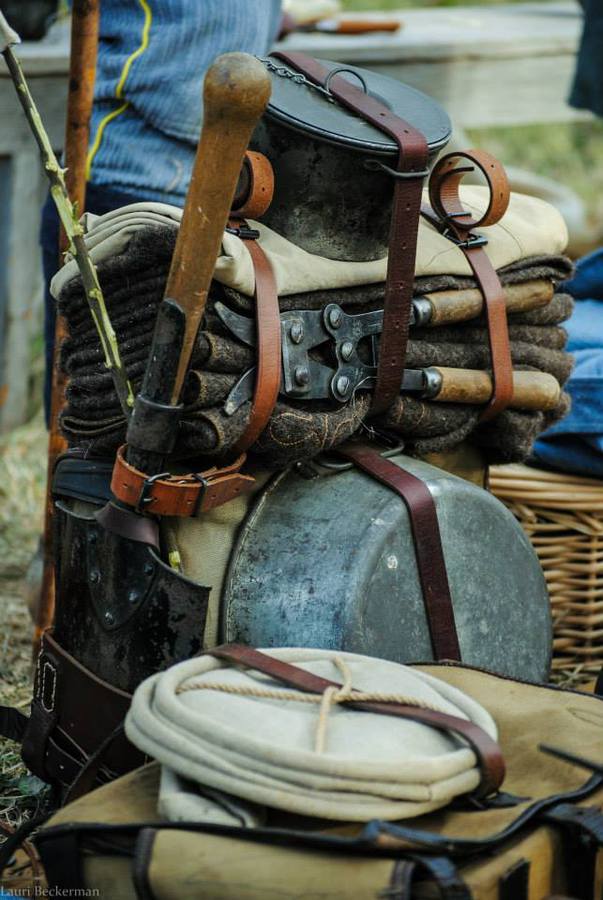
x=330 y=697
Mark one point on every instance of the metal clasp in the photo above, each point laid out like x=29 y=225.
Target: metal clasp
x=467 y=243
x=204 y=482
x=244 y=232
x=143 y=498
x=374 y=164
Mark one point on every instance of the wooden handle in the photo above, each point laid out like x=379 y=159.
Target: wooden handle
x=448 y=307
x=360 y=26
x=235 y=94
x=531 y=390
x=85 y=16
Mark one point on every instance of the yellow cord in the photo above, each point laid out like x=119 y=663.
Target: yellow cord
x=144 y=43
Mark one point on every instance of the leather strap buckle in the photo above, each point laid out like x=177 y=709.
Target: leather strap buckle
x=178 y=495
x=467 y=242
x=243 y=231
x=144 y=498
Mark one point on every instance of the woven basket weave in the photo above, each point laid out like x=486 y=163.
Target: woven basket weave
x=563 y=516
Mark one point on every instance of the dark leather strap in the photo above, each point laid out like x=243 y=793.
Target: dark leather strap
x=428 y=545
x=268 y=332
x=12 y=723
x=177 y=495
x=82 y=710
x=487 y=751
x=449 y=212
x=412 y=165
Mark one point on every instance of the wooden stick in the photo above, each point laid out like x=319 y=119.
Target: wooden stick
x=85 y=17
x=448 y=307
x=235 y=94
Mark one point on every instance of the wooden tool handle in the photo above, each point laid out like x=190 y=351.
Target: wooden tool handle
x=235 y=94
x=531 y=390
x=365 y=26
x=448 y=307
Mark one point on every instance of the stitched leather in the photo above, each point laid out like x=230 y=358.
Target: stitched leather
x=268 y=331
x=413 y=157
x=489 y=755
x=428 y=545
x=179 y=495
x=448 y=208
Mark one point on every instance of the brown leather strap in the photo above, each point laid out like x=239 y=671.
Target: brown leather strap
x=412 y=165
x=258 y=187
x=268 y=332
x=448 y=208
x=489 y=755
x=177 y=495
x=428 y=545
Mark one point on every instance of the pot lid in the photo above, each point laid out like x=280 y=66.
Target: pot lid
x=302 y=106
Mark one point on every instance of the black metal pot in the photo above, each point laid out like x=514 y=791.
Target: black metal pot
x=31 y=19
x=326 y=199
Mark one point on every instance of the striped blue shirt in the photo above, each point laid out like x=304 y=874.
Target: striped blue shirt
x=153 y=55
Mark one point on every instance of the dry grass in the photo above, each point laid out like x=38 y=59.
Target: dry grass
x=22 y=481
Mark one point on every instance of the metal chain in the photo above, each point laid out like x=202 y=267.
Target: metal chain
x=297 y=77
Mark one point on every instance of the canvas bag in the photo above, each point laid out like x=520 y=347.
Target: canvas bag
x=545 y=843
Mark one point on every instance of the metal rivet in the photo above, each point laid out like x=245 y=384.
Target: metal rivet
x=347 y=348
x=133 y=597
x=302 y=375
x=335 y=317
x=94 y=577
x=109 y=618
x=392 y=562
x=342 y=385
x=296 y=332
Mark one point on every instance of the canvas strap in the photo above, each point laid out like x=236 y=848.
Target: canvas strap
x=487 y=751
x=427 y=542
x=411 y=169
x=448 y=215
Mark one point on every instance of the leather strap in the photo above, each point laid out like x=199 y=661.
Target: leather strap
x=268 y=342
x=450 y=213
x=412 y=167
x=487 y=751
x=428 y=545
x=177 y=495
x=258 y=189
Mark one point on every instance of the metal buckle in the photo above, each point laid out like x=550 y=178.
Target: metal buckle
x=243 y=232
x=472 y=240
x=205 y=483
x=143 y=498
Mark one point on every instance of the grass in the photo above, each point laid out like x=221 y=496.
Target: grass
x=22 y=483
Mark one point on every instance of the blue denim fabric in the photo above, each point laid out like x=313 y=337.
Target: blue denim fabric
x=149 y=147
x=575 y=444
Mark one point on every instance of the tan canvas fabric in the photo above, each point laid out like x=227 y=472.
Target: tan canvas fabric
x=530 y=227
x=186 y=866
x=268 y=750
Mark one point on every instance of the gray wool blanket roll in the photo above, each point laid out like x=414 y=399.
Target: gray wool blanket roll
x=133 y=283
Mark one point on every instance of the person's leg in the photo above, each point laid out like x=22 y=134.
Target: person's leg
x=99 y=200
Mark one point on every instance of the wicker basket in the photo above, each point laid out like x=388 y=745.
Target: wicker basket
x=563 y=516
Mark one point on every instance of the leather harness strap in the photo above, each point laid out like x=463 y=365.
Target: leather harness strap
x=268 y=331
x=488 y=752
x=427 y=541
x=451 y=215
x=258 y=192
x=177 y=495
x=412 y=168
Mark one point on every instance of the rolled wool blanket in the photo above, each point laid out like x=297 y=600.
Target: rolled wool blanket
x=244 y=733
x=134 y=282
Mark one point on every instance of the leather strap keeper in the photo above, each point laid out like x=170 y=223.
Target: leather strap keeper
x=177 y=495
x=73 y=711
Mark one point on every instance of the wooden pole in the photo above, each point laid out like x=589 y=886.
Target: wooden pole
x=85 y=18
